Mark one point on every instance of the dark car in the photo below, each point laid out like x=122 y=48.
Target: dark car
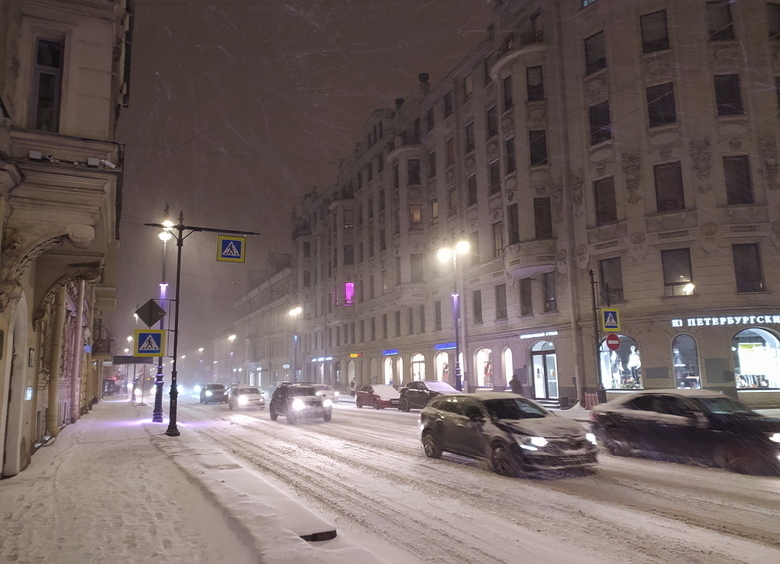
x=417 y=394
x=211 y=393
x=685 y=424
x=515 y=435
x=378 y=396
x=299 y=401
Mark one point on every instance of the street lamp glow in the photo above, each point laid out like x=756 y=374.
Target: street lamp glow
x=127 y=351
x=462 y=247
x=129 y=339
x=232 y=338
x=183 y=356
x=164 y=236
x=200 y=350
x=296 y=311
x=450 y=254
x=445 y=254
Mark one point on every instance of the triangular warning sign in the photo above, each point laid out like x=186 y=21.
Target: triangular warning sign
x=231 y=250
x=149 y=345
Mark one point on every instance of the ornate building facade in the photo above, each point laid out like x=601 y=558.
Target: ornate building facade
x=63 y=80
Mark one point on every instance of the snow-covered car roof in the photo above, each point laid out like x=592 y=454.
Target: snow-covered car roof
x=385 y=391
x=439 y=386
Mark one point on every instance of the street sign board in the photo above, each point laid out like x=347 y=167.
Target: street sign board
x=610 y=319
x=149 y=342
x=150 y=313
x=613 y=342
x=231 y=248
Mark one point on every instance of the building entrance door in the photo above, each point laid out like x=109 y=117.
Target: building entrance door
x=545 y=367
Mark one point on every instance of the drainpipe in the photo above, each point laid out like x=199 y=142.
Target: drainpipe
x=52 y=423
x=78 y=353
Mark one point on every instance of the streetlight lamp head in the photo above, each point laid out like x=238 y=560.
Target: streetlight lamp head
x=200 y=349
x=129 y=339
x=462 y=247
x=167 y=224
x=165 y=236
x=232 y=338
x=445 y=254
x=296 y=311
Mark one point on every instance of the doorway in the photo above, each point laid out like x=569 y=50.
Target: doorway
x=545 y=367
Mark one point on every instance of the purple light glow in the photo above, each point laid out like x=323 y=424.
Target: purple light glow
x=349 y=293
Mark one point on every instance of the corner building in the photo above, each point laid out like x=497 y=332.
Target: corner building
x=607 y=160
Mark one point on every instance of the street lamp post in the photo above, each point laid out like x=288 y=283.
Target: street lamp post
x=157 y=413
x=450 y=254
x=230 y=358
x=294 y=313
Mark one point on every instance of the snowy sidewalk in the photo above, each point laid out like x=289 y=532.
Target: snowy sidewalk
x=113 y=488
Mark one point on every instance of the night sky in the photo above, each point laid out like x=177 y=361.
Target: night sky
x=238 y=108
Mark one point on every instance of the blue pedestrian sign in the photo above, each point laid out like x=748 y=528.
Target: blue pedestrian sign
x=610 y=319
x=231 y=248
x=149 y=342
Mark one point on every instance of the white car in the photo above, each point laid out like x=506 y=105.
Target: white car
x=326 y=392
x=246 y=397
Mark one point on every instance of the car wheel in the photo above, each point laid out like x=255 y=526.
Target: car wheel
x=328 y=416
x=358 y=403
x=431 y=445
x=201 y=400
x=272 y=414
x=501 y=461
x=404 y=405
x=376 y=404
x=735 y=458
x=617 y=444
x=230 y=405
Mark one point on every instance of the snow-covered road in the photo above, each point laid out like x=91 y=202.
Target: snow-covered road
x=366 y=471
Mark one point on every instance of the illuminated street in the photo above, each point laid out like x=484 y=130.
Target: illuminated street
x=366 y=471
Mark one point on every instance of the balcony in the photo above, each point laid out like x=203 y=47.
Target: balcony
x=525 y=259
x=520 y=46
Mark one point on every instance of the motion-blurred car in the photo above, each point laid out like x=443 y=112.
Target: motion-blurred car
x=685 y=424
x=326 y=392
x=246 y=397
x=514 y=434
x=417 y=394
x=299 y=401
x=211 y=393
x=378 y=396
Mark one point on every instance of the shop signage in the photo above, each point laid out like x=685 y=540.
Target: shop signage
x=389 y=352
x=322 y=359
x=539 y=335
x=443 y=346
x=355 y=355
x=727 y=320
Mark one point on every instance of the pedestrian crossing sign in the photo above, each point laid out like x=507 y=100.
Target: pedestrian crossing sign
x=231 y=248
x=149 y=342
x=610 y=319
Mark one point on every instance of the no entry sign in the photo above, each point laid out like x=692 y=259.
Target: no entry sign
x=613 y=342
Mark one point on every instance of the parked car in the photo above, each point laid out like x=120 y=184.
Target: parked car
x=246 y=397
x=299 y=401
x=417 y=394
x=379 y=396
x=327 y=392
x=211 y=393
x=514 y=434
x=686 y=424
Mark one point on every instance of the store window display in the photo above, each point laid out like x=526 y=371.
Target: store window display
x=756 y=359
x=621 y=369
x=685 y=360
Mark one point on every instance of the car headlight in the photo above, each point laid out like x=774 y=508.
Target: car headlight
x=208 y=393
x=336 y=394
x=531 y=443
x=242 y=400
x=137 y=391
x=327 y=403
x=591 y=437
x=775 y=437
x=197 y=389
x=298 y=404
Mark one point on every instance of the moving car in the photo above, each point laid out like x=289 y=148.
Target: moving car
x=379 y=396
x=327 y=392
x=515 y=435
x=299 y=401
x=211 y=393
x=246 y=397
x=417 y=394
x=685 y=424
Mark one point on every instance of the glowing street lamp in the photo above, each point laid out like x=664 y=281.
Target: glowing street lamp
x=450 y=254
x=294 y=313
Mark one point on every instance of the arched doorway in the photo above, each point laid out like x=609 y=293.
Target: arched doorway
x=545 y=370
x=418 y=367
x=14 y=444
x=756 y=356
x=507 y=366
x=399 y=365
x=442 y=362
x=685 y=360
x=374 y=371
x=484 y=360
x=388 y=371
x=351 y=372
x=621 y=369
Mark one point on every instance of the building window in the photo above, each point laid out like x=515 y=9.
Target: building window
x=349 y=294
x=450 y=151
x=536 y=27
x=432 y=164
x=349 y=221
x=452 y=201
x=669 y=194
x=476 y=300
x=384 y=326
x=307 y=278
x=492 y=122
x=429 y=121
x=534 y=84
x=736 y=171
x=437 y=315
x=661 y=109
x=655 y=35
x=382 y=239
x=469 y=138
x=600 y=126
x=396 y=176
x=371 y=246
x=418 y=267
x=513 y=224
x=728 y=99
x=415 y=216
x=678 y=277
x=543 y=218
x=448 y=104
x=685 y=360
x=372 y=322
x=720 y=24
x=380 y=162
x=508 y=102
x=474 y=248
x=511 y=160
x=381 y=200
x=410 y=316
x=501 y=312
x=349 y=255
x=371 y=287
x=538 y=147
x=595 y=53
x=47 y=85
x=413 y=171
x=526 y=302
x=434 y=208
x=747 y=268
x=472 y=191
x=773 y=20
x=550 y=301
x=611 y=271
x=398 y=323
x=306 y=249
x=468 y=87
x=498 y=239
x=495 y=178
x=487 y=65
x=606 y=203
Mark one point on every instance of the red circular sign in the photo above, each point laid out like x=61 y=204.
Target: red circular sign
x=613 y=342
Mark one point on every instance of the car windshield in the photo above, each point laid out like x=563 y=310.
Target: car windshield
x=723 y=405
x=513 y=408
x=302 y=391
x=323 y=387
x=248 y=391
x=442 y=387
x=215 y=387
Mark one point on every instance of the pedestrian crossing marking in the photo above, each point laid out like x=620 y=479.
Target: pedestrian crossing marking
x=149 y=342
x=231 y=251
x=231 y=248
x=610 y=319
x=149 y=345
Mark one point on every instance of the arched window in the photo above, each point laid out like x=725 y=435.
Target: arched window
x=685 y=361
x=484 y=368
x=621 y=369
x=418 y=367
x=756 y=359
